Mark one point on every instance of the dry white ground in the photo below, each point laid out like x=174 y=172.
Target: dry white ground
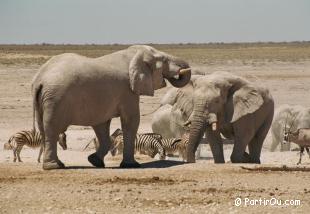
x=160 y=186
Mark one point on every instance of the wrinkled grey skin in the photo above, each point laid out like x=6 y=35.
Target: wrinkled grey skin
x=168 y=120
x=170 y=124
x=161 y=122
x=62 y=140
x=240 y=110
x=75 y=90
x=295 y=116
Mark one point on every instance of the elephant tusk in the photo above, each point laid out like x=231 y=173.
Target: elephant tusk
x=214 y=126
x=187 y=123
x=184 y=70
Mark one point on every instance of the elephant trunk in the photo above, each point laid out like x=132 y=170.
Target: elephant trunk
x=198 y=125
x=180 y=68
x=184 y=78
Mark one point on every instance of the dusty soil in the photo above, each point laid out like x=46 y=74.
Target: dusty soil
x=160 y=186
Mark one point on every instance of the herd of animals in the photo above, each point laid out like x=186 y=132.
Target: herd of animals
x=70 y=89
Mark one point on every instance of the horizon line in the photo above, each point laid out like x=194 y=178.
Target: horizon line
x=173 y=43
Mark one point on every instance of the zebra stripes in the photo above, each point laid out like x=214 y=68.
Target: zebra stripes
x=171 y=145
x=176 y=145
x=31 y=139
x=152 y=143
x=148 y=144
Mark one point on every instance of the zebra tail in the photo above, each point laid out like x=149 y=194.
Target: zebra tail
x=9 y=142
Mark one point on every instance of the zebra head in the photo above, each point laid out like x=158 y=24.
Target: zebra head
x=7 y=146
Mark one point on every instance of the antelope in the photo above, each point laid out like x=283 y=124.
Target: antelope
x=301 y=137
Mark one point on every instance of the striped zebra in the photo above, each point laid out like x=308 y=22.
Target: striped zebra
x=148 y=144
x=95 y=142
x=31 y=139
x=172 y=145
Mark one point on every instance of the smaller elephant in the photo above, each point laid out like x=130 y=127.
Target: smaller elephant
x=295 y=117
x=166 y=125
x=223 y=104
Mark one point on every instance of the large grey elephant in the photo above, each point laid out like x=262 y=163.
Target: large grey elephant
x=295 y=117
x=71 y=89
x=222 y=103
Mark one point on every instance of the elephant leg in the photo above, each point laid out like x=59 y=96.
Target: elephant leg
x=216 y=145
x=102 y=132
x=198 y=152
x=239 y=154
x=244 y=133
x=130 y=119
x=308 y=151
x=50 y=127
x=50 y=158
x=256 y=144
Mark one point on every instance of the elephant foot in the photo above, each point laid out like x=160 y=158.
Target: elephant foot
x=219 y=160
x=190 y=158
x=134 y=164
x=96 y=161
x=246 y=158
x=53 y=165
x=255 y=161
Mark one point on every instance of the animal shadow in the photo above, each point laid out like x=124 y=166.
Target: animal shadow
x=148 y=165
x=161 y=164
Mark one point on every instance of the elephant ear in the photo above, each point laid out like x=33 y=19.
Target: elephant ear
x=245 y=101
x=184 y=100
x=140 y=73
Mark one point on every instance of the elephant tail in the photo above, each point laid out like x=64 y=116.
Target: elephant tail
x=35 y=104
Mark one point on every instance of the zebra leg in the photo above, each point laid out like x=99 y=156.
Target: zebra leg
x=40 y=153
x=14 y=154
x=302 y=149
x=102 y=133
x=18 y=150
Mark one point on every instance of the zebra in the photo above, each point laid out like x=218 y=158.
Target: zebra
x=148 y=144
x=95 y=141
x=172 y=145
x=31 y=139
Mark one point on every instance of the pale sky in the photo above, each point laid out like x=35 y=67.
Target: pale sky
x=156 y=21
